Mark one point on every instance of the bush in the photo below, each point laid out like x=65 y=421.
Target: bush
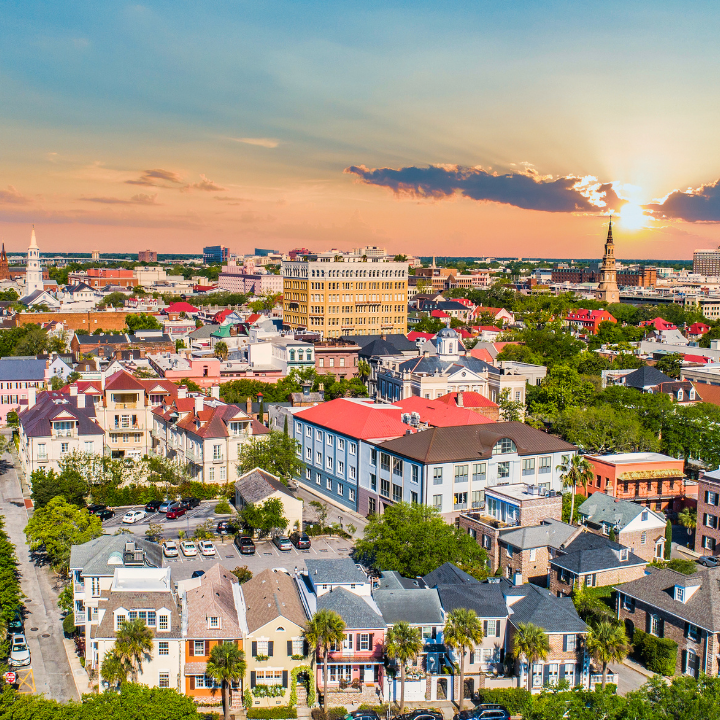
x=659 y=655
x=281 y=712
x=69 y=623
x=333 y=713
x=516 y=700
x=135 y=494
x=381 y=710
x=223 y=508
x=243 y=574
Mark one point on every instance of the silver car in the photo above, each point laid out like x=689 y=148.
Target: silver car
x=19 y=652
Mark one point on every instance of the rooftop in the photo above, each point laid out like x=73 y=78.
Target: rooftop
x=356 y=611
x=269 y=595
x=633 y=458
x=532 y=604
x=331 y=572
x=600 y=508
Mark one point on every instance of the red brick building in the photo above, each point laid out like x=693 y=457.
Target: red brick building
x=100 y=277
x=707 y=532
x=588 y=320
x=337 y=357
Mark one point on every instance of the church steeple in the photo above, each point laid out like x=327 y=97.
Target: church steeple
x=607 y=287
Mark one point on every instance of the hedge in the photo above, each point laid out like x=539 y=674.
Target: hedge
x=333 y=713
x=135 y=494
x=516 y=700
x=280 y=712
x=659 y=655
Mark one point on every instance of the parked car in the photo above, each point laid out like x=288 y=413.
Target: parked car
x=95 y=509
x=198 y=573
x=105 y=514
x=709 y=561
x=175 y=512
x=282 y=543
x=225 y=527
x=165 y=506
x=19 y=652
x=17 y=622
x=188 y=548
x=484 y=711
x=421 y=714
x=206 y=547
x=170 y=548
x=132 y=516
x=190 y=502
x=245 y=545
x=300 y=540
x=362 y=715
x=153 y=506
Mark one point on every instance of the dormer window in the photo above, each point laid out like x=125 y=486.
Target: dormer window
x=680 y=594
x=680 y=395
x=644 y=516
x=213 y=622
x=504 y=446
x=624 y=554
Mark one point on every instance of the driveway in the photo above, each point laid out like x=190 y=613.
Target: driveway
x=51 y=674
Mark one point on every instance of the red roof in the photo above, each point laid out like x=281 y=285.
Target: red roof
x=698 y=328
x=589 y=315
x=180 y=307
x=659 y=324
x=464 y=333
x=414 y=335
x=482 y=354
x=699 y=359
x=441 y=414
x=122 y=380
x=253 y=318
x=363 y=420
x=218 y=317
x=470 y=399
x=489 y=328
x=439 y=314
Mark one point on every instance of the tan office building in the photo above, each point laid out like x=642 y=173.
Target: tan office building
x=345 y=295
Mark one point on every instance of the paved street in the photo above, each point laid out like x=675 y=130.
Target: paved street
x=50 y=671
x=335 y=513
x=628 y=678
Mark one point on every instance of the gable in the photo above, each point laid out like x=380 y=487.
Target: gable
x=465 y=375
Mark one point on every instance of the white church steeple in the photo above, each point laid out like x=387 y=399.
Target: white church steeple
x=33 y=272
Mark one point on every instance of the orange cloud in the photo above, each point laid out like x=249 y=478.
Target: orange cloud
x=140 y=199
x=150 y=177
x=13 y=196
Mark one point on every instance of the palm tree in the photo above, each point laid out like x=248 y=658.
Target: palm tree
x=403 y=643
x=114 y=670
x=531 y=643
x=226 y=665
x=221 y=350
x=576 y=470
x=688 y=519
x=364 y=370
x=325 y=628
x=134 y=641
x=463 y=630
x=607 y=642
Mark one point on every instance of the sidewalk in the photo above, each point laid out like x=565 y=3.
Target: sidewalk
x=79 y=674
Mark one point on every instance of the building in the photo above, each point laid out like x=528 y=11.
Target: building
x=33 y=273
x=215 y=254
x=20 y=380
x=276 y=622
x=345 y=294
x=146 y=342
x=637 y=277
x=103 y=277
x=147 y=256
x=707 y=262
x=246 y=280
x=654 y=480
x=607 y=286
x=636 y=527
x=472 y=401
x=257 y=486
x=679 y=607
x=4 y=270
x=337 y=357
x=435 y=413
x=588 y=319
x=707 y=532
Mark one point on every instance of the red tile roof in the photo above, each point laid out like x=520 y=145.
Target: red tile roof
x=180 y=307
x=699 y=359
x=698 y=328
x=362 y=420
x=659 y=324
x=414 y=335
x=470 y=399
x=218 y=317
x=441 y=414
x=482 y=354
x=489 y=328
x=439 y=314
x=123 y=380
x=253 y=318
x=708 y=393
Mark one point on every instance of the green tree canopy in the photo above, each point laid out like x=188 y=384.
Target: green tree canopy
x=563 y=387
x=114 y=299
x=68 y=484
x=266 y=517
x=226 y=665
x=142 y=321
x=276 y=453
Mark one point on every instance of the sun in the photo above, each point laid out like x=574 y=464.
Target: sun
x=633 y=217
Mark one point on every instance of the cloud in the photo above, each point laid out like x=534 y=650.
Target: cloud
x=140 y=199
x=150 y=177
x=230 y=200
x=694 y=205
x=13 y=196
x=260 y=142
x=525 y=189
x=205 y=184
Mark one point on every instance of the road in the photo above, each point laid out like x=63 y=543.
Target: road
x=51 y=674
x=336 y=514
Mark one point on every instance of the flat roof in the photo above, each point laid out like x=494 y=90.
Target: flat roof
x=632 y=458
x=517 y=491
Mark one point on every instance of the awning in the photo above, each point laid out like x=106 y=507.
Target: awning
x=195 y=668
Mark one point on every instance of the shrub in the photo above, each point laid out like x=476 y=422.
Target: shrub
x=281 y=712
x=223 y=508
x=136 y=494
x=516 y=700
x=381 y=710
x=243 y=574
x=659 y=655
x=69 y=623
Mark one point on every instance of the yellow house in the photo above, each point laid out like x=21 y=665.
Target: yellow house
x=258 y=485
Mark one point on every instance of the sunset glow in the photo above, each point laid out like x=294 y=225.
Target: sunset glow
x=633 y=217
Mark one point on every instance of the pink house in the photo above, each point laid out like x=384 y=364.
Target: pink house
x=20 y=377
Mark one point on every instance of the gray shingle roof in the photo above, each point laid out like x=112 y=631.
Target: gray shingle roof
x=37 y=420
x=550 y=533
x=21 y=368
x=540 y=607
x=658 y=590
x=485 y=599
x=646 y=376
x=449 y=574
x=353 y=609
x=589 y=552
x=600 y=508
x=92 y=557
x=419 y=606
x=258 y=484
x=398 y=341
x=432 y=364
x=326 y=572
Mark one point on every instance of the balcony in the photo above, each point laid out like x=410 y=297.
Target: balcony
x=64 y=433
x=42 y=458
x=218 y=460
x=126 y=405
x=79 y=587
x=460 y=506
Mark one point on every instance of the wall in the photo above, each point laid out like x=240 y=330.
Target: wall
x=602 y=579
x=706 y=510
x=81 y=322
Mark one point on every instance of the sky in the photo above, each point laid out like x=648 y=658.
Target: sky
x=448 y=128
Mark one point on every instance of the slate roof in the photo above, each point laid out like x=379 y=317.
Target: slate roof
x=213 y=598
x=658 y=590
x=21 y=368
x=589 y=553
x=80 y=287
x=256 y=485
x=328 y=572
x=36 y=421
x=420 y=606
x=110 y=601
x=393 y=580
x=432 y=363
x=646 y=376
x=102 y=339
x=449 y=574
x=92 y=557
x=473 y=442
x=540 y=607
x=550 y=533
x=600 y=508
x=270 y=595
x=202 y=333
x=353 y=609
x=485 y=599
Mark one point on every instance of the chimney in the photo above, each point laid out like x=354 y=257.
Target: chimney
x=182 y=392
x=199 y=403
x=81 y=400
x=73 y=389
x=248 y=405
x=306 y=389
x=31 y=396
x=215 y=392
x=321 y=390
x=460 y=400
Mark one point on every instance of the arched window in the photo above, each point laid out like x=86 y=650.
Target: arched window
x=504 y=446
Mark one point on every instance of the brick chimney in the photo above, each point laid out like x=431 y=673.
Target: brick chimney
x=248 y=405
x=460 y=400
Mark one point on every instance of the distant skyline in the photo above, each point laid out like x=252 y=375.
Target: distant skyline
x=500 y=129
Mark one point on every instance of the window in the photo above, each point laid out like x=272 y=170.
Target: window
x=211 y=474
x=298 y=427
x=437 y=476
x=308 y=453
x=163 y=622
x=318 y=435
x=437 y=502
x=373 y=457
x=64 y=447
x=644 y=516
x=460 y=500
x=119 y=620
x=318 y=478
x=385 y=488
x=371 y=506
x=373 y=482
x=341 y=444
x=491 y=628
x=461 y=473
x=328 y=483
x=351 y=494
x=415 y=473
x=544 y=464
x=308 y=431
x=163 y=647
x=364 y=641
x=298 y=646
x=397 y=492
x=643 y=537
x=509 y=551
x=340 y=467
x=262 y=647
x=397 y=467
x=532 y=553
x=503 y=470
x=318 y=458
x=528 y=466
x=198 y=647
x=353 y=472
x=710 y=521
x=655 y=626
x=214 y=622
x=353 y=448
x=384 y=461
x=590 y=580
x=95 y=582
x=504 y=446
x=340 y=489
x=89 y=446
x=570 y=643
x=308 y=474
x=328 y=463
x=222 y=473
x=479 y=471
x=693 y=632
x=164 y=680
x=708 y=543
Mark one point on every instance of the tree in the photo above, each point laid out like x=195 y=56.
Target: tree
x=561 y=388
x=668 y=539
x=532 y=643
x=607 y=642
x=154 y=532
x=56 y=382
x=414 y=540
x=364 y=370
x=221 y=350
x=463 y=631
x=519 y=353
x=57 y=526
x=322 y=511
x=226 y=665
x=429 y=325
x=243 y=574
x=688 y=519
x=113 y=669
x=403 y=643
x=133 y=644
x=325 y=628
x=65 y=599
x=266 y=517
x=35 y=341
x=512 y=410
x=141 y=321
x=576 y=470
x=135 y=702
x=670 y=364
x=275 y=453
x=68 y=484
x=114 y=299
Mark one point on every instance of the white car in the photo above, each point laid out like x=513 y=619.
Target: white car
x=188 y=548
x=170 y=548
x=132 y=516
x=19 y=652
x=206 y=547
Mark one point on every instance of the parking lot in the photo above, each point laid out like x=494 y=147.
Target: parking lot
x=193 y=517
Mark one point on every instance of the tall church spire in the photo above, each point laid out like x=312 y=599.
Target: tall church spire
x=33 y=271
x=607 y=287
